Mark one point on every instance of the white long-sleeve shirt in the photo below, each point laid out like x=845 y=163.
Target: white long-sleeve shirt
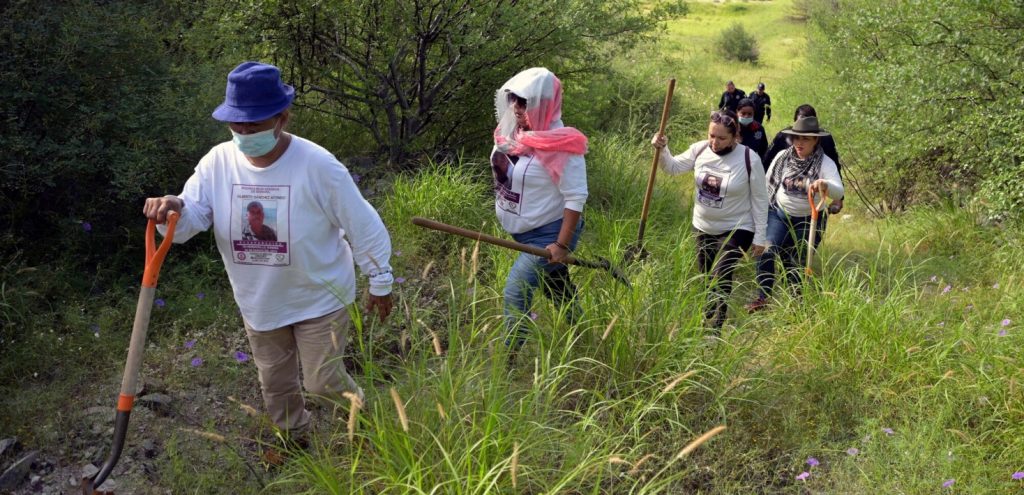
x=302 y=266
x=793 y=200
x=727 y=197
x=527 y=198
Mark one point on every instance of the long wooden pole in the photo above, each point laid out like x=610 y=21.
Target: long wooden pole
x=654 y=166
x=516 y=246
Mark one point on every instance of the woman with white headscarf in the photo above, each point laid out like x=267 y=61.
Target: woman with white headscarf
x=540 y=180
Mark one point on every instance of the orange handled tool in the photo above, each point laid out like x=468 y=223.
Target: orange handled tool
x=813 y=232
x=129 y=383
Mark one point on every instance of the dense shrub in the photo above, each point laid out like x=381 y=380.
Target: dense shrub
x=98 y=112
x=736 y=43
x=934 y=87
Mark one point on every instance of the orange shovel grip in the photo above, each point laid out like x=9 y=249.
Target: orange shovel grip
x=155 y=255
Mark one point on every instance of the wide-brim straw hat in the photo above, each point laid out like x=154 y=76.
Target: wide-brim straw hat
x=806 y=126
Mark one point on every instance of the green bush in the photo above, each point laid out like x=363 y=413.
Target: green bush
x=98 y=113
x=736 y=43
x=933 y=106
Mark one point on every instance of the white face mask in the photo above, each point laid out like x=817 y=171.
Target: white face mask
x=745 y=120
x=257 y=144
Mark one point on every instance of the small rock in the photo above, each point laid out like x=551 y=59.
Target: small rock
x=98 y=410
x=149 y=448
x=89 y=470
x=160 y=403
x=17 y=472
x=7 y=445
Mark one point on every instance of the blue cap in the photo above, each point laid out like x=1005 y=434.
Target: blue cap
x=255 y=92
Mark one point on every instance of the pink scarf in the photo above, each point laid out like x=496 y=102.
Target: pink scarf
x=548 y=140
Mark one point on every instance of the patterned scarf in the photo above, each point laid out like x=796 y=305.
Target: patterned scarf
x=789 y=165
x=551 y=142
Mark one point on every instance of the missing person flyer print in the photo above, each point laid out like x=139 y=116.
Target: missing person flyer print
x=259 y=225
x=711 y=187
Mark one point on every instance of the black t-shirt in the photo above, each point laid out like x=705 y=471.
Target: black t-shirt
x=731 y=100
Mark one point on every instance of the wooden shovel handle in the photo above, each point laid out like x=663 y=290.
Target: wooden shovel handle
x=813 y=231
x=665 y=109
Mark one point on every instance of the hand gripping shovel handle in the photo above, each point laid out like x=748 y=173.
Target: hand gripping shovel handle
x=666 y=107
x=813 y=231
x=602 y=264
x=129 y=383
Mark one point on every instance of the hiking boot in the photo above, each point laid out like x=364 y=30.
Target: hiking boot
x=274 y=456
x=756 y=305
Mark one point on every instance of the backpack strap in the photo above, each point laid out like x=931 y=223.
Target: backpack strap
x=746 y=156
x=701 y=150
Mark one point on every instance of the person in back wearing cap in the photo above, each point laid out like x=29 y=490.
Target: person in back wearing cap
x=731 y=97
x=293 y=287
x=801 y=167
x=762 y=105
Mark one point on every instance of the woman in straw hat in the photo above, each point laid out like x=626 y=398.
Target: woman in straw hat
x=802 y=166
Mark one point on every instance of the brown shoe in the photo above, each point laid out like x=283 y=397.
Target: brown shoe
x=756 y=305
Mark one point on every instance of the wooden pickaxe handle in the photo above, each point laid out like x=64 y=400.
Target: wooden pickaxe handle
x=517 y=246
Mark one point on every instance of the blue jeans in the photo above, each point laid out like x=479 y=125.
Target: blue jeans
x=529 y=271
x=787 y=239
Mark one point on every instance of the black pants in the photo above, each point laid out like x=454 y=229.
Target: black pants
x=717 y=256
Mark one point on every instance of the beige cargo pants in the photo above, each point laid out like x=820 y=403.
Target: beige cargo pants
x=319 y=344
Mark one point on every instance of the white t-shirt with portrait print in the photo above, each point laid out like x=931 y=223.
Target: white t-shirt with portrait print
x=726 y=196
x=525 y=195
x=293 y=257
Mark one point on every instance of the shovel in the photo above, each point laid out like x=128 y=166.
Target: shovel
x=813 y=231
x=636 y=251
x=129 y=383
x=601 y=263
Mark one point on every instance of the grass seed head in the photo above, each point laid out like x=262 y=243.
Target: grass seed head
x=700 y=440
x=400 y=407
x=671 y=385
x=608 y=330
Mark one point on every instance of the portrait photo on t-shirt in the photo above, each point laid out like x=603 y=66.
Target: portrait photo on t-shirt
x=711 y=188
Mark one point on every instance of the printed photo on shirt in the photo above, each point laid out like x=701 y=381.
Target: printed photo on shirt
x=259 y=225
x=796 y=185
x=711 y=188
x=503 y=168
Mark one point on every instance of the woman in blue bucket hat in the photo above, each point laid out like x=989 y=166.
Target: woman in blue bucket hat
x=281 y=208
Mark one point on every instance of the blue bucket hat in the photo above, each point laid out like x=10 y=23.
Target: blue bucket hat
x=255 y=92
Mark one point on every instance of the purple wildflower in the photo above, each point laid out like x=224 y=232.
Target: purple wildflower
x=190 y=343
x=398 y=253
x=935 y=278
x=852 y=451
x=947 y=289
x=1006 y=322
x=1003 y=333
x=400 y=280
x=803 y=476
x=160 y=303
x=356 y=178
x=995 y=285
x=888 y=431
x=241 y=357
x=201 y=296
x=1019 y=475
x=197 y=361
x=534 y=316
x=948 y=483
x=811 y=461
x=86 y=226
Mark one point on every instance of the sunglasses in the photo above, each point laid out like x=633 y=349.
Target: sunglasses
x=518 y=100
x=721 y=118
